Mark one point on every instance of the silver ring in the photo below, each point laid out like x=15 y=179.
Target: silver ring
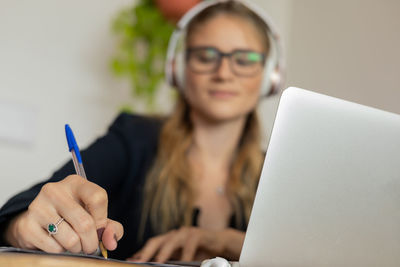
x=52 y=228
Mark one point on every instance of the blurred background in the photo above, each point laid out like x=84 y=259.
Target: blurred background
x=57 y=66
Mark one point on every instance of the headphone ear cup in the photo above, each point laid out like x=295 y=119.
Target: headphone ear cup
x=266 y=86
x=271 y=76
x=271 y=83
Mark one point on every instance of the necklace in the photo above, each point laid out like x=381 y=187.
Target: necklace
x=220 y=190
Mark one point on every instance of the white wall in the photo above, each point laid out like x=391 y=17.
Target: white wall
x=54 y=65
x=347 y=49
x=54 y=58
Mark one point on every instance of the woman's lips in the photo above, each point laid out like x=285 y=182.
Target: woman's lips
x=222 y=94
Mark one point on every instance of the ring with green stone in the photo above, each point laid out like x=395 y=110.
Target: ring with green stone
x=52 y=228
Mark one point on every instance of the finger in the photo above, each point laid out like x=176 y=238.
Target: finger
x=40 y=239
x=94 y=198
x=174 y=243
x=83 y=224
x=112 y=234
x=150 y=248
x=80 y=220
x=65 y=235
x=135 y=258
x=190 y=248
x=68 y=238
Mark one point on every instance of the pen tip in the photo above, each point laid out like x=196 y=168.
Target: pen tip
x=103 y=250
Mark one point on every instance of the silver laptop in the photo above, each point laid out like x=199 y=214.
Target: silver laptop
x=329 y=193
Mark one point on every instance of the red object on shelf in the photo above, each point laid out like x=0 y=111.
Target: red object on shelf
x=173 y=10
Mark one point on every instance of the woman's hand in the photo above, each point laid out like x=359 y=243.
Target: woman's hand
x=193 y=243
x=81 y=203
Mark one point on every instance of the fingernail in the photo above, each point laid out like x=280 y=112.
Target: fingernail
x=100 y=232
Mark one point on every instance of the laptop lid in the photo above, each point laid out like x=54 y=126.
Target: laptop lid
x=329 y=192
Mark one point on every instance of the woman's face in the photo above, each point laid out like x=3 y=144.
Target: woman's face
x=222 y=94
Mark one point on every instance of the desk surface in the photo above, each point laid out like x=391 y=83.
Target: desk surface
x=11 y=259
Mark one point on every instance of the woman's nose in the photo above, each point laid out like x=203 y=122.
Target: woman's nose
x=224 y=70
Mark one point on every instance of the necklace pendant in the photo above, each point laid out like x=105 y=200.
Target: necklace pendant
x=220 y=190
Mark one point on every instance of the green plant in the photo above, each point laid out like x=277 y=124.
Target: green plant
x=143 y=35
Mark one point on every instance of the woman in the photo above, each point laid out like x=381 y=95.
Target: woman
x=180 y=188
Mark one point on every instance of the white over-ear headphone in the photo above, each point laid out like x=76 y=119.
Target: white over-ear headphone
x=175 y=63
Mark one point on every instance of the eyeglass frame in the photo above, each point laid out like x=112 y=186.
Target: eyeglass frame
x=221 y=55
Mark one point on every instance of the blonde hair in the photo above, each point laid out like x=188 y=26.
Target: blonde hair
x=169 y=192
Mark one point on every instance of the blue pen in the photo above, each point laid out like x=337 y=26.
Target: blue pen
x=77 y=160
x=74 y=149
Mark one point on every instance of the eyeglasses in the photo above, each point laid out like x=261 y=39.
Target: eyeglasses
x=207 y=59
